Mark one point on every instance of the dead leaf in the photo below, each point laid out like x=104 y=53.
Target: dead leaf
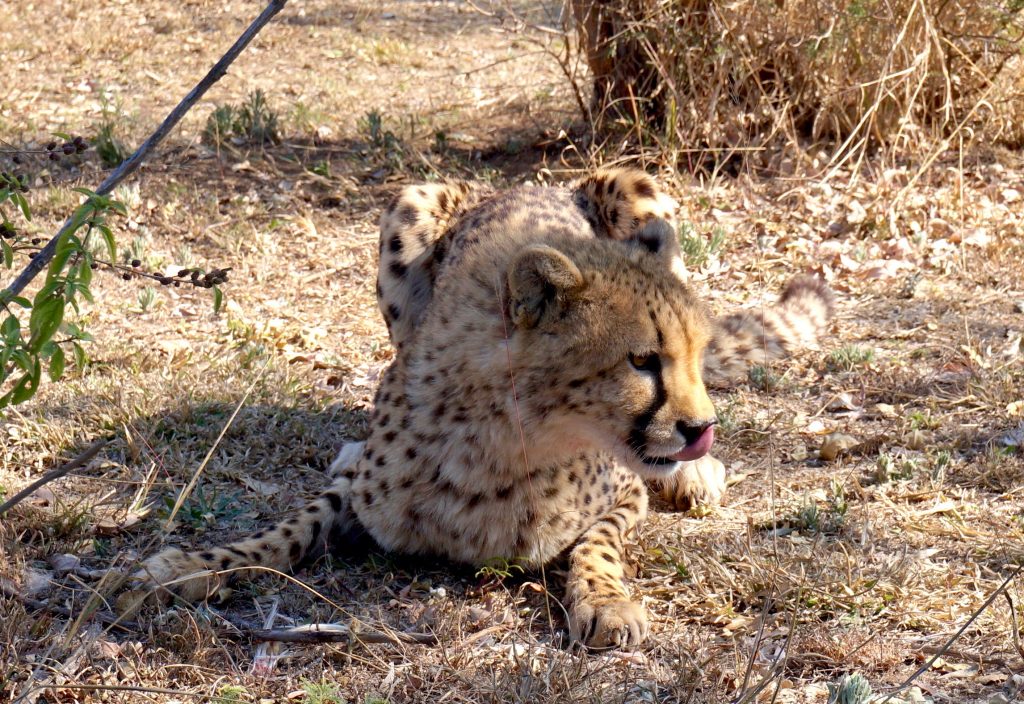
x=106 y=649
x=261 y=488
x=835 y=444
x=842 y=402
x=113 y=526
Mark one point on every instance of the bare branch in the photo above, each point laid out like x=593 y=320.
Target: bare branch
x=86 y=455
x=103 y=617
x=133 y=162
x=338 y=633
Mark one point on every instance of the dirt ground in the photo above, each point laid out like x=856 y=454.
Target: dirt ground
x=869 y=562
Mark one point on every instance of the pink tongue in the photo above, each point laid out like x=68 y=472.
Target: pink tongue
x=698 y=448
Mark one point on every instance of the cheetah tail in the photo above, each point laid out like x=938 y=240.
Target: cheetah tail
x=796 y=322
x=619 y=201
x=279 y=548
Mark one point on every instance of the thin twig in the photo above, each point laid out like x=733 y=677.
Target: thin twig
x=114 y=688
x=78 y=461
x=103 y=617
x=37 y=263
x=337 y=633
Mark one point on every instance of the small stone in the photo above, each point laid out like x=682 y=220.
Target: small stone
x=937 y=227
x=884 y=410
x=64 y=563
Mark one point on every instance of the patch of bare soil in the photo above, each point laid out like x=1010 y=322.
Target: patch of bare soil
x=869 y=561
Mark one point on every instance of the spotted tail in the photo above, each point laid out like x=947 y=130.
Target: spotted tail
x=755 y=337
x=280 y=548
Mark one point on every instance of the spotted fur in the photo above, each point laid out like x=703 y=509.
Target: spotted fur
x=549 y=361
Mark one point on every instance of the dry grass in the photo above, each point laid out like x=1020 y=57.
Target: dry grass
x=810 y=570
x=739 y=77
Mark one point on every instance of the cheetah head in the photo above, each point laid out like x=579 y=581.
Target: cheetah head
x=608 y=347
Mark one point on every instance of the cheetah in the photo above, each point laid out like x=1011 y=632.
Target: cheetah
x=549 y=360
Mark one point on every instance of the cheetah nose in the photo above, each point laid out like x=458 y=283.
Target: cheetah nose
x=699 y=438
x=692 y=432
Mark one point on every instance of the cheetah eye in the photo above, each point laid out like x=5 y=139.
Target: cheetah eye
x=645 y=362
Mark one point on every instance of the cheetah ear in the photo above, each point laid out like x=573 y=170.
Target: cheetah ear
x=658 y=237
x=541 y=282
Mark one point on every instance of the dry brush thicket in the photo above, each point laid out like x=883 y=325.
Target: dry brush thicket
x=751 y=73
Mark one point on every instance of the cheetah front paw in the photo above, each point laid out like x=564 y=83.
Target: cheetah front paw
x=347 y=457
x=615 y=623
x=696 y=483
x=168 y=572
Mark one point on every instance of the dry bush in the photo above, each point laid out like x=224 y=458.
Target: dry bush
x=716 y=74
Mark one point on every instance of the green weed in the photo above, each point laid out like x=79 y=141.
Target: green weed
x=697 y=249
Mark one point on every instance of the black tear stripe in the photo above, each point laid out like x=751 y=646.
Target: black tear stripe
x=637 y=434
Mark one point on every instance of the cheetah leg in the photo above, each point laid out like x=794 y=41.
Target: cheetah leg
x=697 y=483
x=279 y=548
x=601 y=614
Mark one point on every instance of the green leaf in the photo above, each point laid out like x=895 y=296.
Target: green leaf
x=22 y=391
x=22 y=358
x=77 y=333
x=20 y=201
x=218 y=299
x=85 y=271
x=8 y=398
x=85 y=192
x=81 y=358
x=10 y=330
x=28 y=390
x=45 y=319
x=83 y=290
x=21 y=301
x=62 y=135
x=60 y=259
x=108 y=237
x=5 y=193
x=56 y=369
x=78 y=219
x=7 y=251
x=118 y=207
